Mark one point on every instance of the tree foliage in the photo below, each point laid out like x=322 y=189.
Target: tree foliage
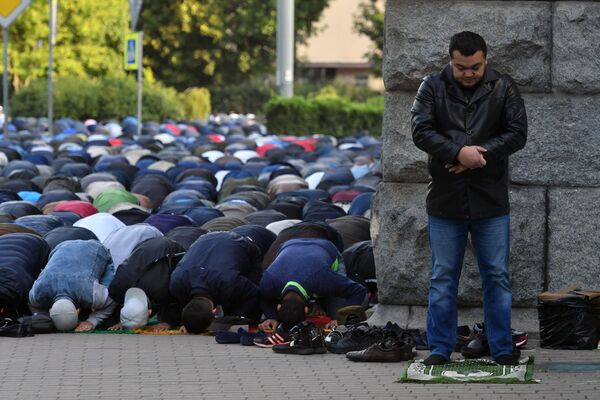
x=369 y=22
x=187 y=43
x=88 y=43
x=212 y=42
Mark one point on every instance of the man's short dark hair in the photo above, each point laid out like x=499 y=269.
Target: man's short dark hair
x=291 y=312
x=467 y=43
x=197 y=315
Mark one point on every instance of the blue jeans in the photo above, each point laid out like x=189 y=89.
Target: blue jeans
x=491 y=241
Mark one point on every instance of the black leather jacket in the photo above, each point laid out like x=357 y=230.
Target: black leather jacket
x=444 y=120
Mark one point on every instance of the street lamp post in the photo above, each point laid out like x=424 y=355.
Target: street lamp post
x=285 y=48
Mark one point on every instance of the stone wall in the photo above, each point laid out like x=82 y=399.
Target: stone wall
x=551 y=50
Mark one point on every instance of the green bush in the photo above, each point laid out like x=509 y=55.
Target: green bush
x=196 y=103
x=251 y=96
x=326 y=115
x=345 y=91
x=247 y=97
x=105 y=98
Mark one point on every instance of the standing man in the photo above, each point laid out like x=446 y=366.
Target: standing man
x=469 y=119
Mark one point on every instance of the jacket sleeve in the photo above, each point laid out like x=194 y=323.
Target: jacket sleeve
x=514 y=133
x=246 y=302
x=103 y=305
x=424 y=133
x=334 y=284
x=269 y=294
x=179 y=286
x=169 y=313
x=109 y=273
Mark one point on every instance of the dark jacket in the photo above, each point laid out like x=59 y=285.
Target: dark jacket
x=444 y=120
x=309 y=267
x=224 y=267
x=149 y=267
x=22 y=257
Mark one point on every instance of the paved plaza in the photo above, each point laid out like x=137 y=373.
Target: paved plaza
x=96 y=366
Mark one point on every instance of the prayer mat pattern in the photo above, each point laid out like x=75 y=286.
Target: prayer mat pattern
x=469 y=371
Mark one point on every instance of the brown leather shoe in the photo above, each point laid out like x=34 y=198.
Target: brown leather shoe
x=385 y=351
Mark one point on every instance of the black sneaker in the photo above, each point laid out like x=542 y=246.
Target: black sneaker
x=340 y=331
x=280 y=336
x=358 y=338
x=477 y=347
x=306 y=339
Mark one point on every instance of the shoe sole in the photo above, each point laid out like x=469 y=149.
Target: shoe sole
x=404 y=358
x=521 y=343
x=302 y=352
x=344 y=351
x=268 y=345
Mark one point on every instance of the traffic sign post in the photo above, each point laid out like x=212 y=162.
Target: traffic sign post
x=52 y=29
x=9 y=11
x=135 y=7
x=134 y=55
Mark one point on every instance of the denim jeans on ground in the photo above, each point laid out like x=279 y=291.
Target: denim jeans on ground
x=491 y=241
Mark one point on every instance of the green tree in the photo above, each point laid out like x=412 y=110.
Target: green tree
x=369 y=22
x=88 y=44
x=211 y=42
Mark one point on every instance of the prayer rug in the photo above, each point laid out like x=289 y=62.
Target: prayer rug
x=469 y=371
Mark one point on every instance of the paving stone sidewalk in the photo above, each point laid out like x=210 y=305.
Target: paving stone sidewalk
x=76 y=366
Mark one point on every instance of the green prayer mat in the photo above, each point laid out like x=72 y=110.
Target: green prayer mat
x=469 y=371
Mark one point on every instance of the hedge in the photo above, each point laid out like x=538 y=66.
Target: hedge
x=246 y=97
x=251 y=96
x=104 y=98
x=332 y=116
x=196 y=103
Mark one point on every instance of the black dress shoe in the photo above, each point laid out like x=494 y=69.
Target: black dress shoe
x=507 y=360
x=386 y=351
x=435 y=359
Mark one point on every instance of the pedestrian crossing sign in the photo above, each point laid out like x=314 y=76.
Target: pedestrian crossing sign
x=132 y=51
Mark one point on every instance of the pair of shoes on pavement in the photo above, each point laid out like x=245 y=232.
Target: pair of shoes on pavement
x=362 y=336
x=305 y=338
x=479 y=347
x=242 y=336
x=392 y=348
x=356 y=337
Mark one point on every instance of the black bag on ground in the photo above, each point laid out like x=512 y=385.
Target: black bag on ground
x=12 y=328
x=569 y=320
x=41 y=323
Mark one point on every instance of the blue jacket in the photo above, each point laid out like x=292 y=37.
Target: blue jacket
x=312 y=268
x=224 y=267
x=74 y=269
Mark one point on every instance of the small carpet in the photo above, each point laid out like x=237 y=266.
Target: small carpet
x=469 y=371
x=143 y=331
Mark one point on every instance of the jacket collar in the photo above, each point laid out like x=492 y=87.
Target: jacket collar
x=454 y=90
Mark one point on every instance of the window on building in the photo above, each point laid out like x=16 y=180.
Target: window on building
x=362 y=79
